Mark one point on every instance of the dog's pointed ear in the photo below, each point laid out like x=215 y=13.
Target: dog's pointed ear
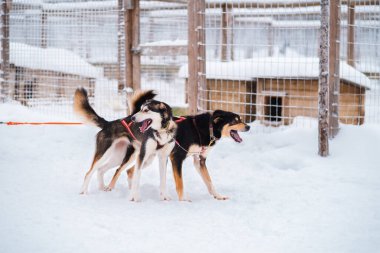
x=217 y=120
x=217 y=116
x=162 y=106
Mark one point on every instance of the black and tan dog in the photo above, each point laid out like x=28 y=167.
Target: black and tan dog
x=119 y=141
x=196 y=136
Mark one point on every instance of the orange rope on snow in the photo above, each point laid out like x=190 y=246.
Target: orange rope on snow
x=13 y=123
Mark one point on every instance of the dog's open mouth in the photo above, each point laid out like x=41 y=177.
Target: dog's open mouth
x=234 y=135
x=145 y=125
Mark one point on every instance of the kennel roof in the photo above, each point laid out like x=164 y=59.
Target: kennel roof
x=52 y=59
x=276 y=68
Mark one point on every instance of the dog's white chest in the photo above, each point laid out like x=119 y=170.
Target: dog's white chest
x=199 y=150
x=163 y=137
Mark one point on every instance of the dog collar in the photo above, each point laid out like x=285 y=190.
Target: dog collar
x=213 y=139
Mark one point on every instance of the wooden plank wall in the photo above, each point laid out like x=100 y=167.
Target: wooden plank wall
x=301 y=99
x=235 y=96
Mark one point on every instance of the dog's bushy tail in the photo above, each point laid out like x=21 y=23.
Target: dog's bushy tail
x=139 y=98
x=83 y=108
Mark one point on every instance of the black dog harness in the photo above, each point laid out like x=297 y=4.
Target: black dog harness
x=203 y=148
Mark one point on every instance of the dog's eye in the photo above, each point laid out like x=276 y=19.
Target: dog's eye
x=145 y=110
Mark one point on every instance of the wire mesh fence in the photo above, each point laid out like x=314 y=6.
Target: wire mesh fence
x=164 y=50
x=360 y=48
x=261 y=57
x=56 y=47
x=262 y=61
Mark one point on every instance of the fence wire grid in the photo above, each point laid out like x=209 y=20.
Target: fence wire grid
x=261 y=57
x=262 y=61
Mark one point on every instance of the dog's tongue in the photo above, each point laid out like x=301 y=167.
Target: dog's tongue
x=144 y=126
x=236 y=136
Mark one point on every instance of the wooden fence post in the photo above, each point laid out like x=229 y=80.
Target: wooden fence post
x=227 y=33
x=201 y=69
x=270 y=39
x=4 y=89
x=43 y=29
x=351 y=33
x=120 y=78
x=334 y=65
x=196 y=52
x=323 y=93
x=136 y=46
x=132 y=40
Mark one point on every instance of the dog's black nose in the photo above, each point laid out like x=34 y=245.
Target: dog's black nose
x=247 y=128
x=133 y=118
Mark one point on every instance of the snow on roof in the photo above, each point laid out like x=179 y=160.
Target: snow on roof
x=269 y=2
x=245 y=10
x=28 y=2
x=166 y=43
x=53 y=59
x=106 y=59
x=105 y=4
x=81 y=5
x=369 y=67
x=303 y=23
x=276 y=67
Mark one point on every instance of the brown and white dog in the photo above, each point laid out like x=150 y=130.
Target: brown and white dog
x=147 y=133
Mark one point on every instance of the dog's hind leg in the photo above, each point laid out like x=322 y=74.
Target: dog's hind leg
x=128 y=159
x=130 y=176
x=88 y=176
x=115 y=156
x=96 y=163
x=200 y=165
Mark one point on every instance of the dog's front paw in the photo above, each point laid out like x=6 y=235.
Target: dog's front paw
x=134 y=197
x=129 y=183
x=108 y=189
x=185 y=199
x=220 y=197
x=83 y=193
x=164 y=196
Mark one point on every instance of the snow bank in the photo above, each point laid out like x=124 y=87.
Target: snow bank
x=275 y=67
x=284 y=197
x=54 y=59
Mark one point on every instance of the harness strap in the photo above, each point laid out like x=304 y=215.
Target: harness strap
x=187 y=151
x=203 y=148
x=128 y=127
x=212 y=136
x=180 y=119
x=199 y=135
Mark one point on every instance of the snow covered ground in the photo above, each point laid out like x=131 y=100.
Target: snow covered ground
x=284 y=198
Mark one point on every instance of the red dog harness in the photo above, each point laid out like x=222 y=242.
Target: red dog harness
x=180 y=119
x=128 y=127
